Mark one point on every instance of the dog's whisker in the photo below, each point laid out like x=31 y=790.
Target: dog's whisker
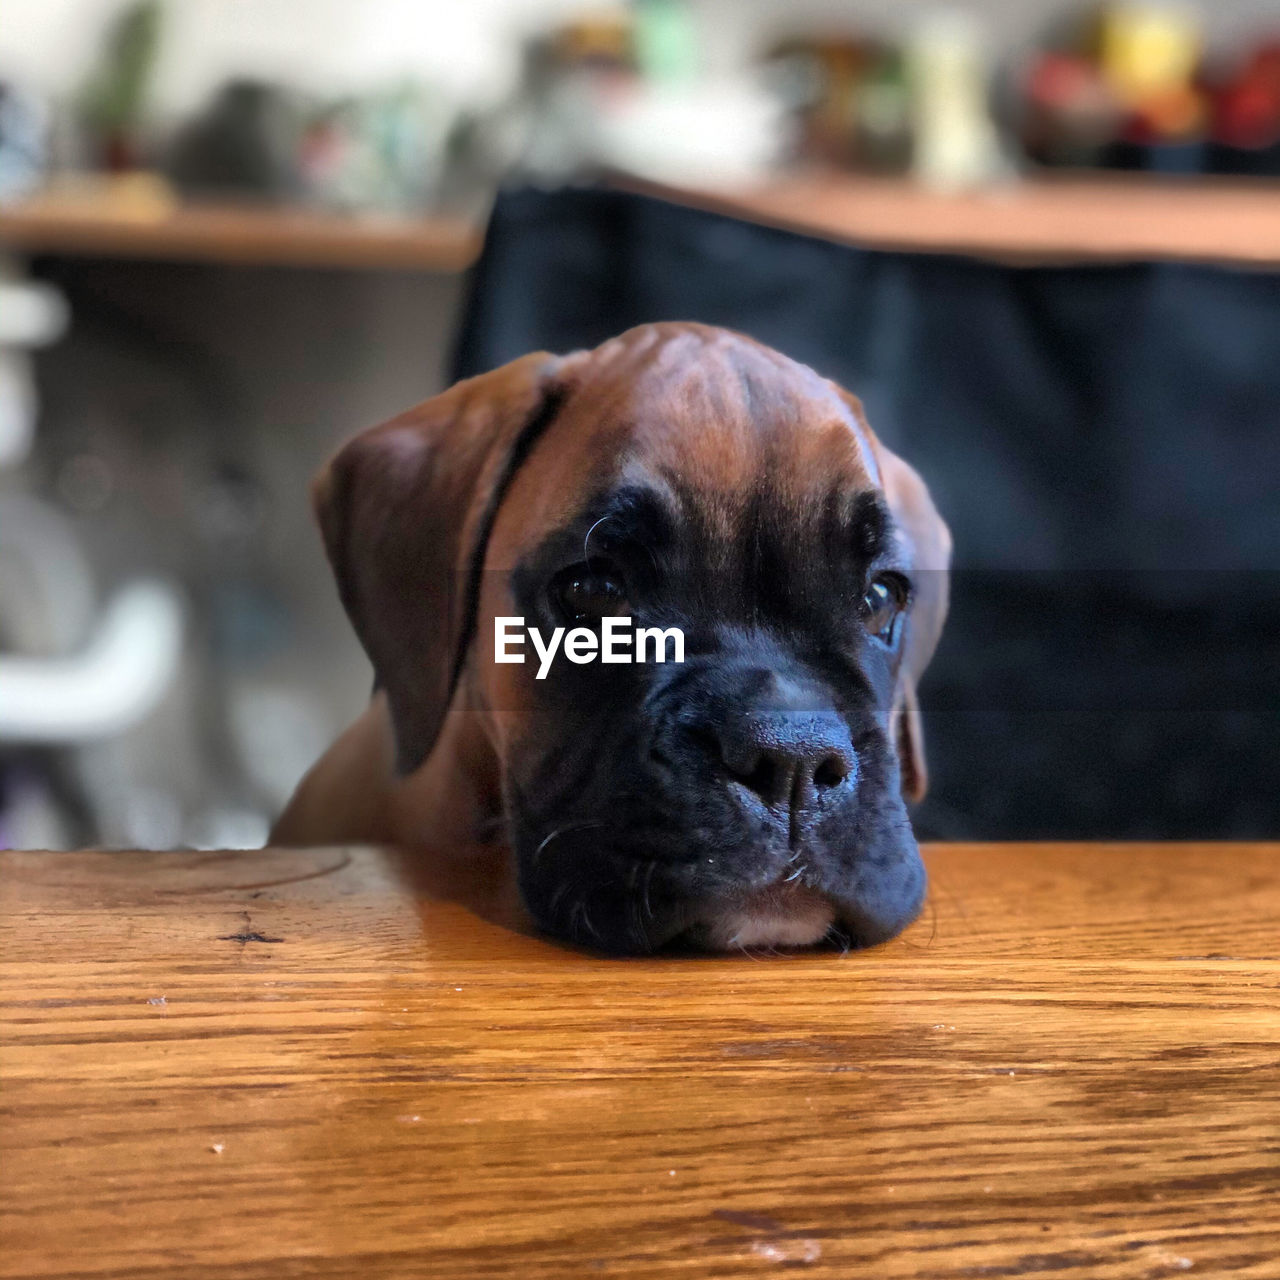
x=635 y=919
x=648 y=881
x=910 y=943
x=586 y=550
x=635 y=914
x=564 y=829
x=556 y=898
x=580 y=914
x=838 y=937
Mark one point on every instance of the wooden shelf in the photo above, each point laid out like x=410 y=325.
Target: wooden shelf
x=232 y=234
x=1067 y=219
x=1045 y=220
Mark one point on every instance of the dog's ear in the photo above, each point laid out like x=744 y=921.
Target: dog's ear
x=929 y=539
x=406 y=510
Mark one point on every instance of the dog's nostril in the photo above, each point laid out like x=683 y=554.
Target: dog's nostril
x=831 y=772
x=761 y=776
x=705 y=741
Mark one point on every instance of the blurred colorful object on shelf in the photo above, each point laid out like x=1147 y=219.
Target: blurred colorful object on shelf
x=850 y=98
x=24 y=143
x=1130 y=87
x=1147 y=51
x=1246 y=107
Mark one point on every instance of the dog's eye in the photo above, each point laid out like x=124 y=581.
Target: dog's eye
x=882 y=606
x=587 y=593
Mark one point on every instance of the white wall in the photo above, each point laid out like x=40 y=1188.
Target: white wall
x=466 y=46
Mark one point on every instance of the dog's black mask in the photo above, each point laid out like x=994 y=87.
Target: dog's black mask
x=749 y=796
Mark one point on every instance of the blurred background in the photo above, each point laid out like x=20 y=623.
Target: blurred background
x=1040 y=239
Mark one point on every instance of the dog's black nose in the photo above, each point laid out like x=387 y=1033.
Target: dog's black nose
x=785 y=758
x=777 y=745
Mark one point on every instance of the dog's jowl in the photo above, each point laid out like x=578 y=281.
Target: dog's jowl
x=679 y=483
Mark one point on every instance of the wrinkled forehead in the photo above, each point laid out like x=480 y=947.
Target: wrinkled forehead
x=708 y=425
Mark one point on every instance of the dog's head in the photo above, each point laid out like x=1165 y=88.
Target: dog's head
x=683 y=477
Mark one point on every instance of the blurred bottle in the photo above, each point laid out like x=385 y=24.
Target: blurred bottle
x=956 y=144
x=665 y=42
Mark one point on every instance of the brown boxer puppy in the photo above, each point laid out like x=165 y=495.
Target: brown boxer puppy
x=678 y=476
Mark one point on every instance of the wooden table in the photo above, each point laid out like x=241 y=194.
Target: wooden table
x=301 y=1064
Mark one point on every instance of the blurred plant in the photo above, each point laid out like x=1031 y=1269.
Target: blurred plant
x=112 y=101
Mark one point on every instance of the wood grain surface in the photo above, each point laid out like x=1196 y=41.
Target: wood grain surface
x=312 y=1064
